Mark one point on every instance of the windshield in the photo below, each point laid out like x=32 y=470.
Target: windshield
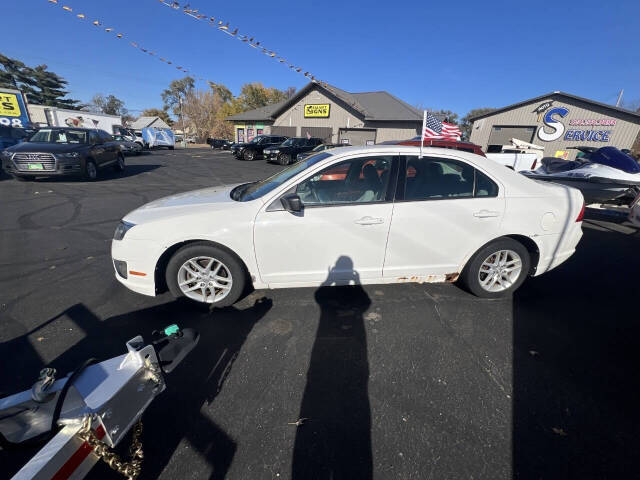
x=48 y=135
x=319 y=148
x=256 y=139
x=251 y=191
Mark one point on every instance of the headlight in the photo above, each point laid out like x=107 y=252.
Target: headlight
x=69 y=155
x=6 y=154
x=275 y=151
x=122 y=229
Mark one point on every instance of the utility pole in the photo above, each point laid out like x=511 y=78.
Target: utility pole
x=184 y=133
x=620 y=97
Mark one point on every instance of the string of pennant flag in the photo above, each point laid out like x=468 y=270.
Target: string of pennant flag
x=224 y=27
x=136 y=45
x=219 y=24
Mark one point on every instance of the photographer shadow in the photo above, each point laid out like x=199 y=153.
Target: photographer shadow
x=333 y=440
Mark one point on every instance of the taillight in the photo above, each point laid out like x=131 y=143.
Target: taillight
x=581 y=214
x=533 y=165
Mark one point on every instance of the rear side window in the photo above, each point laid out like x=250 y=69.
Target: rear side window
x=432 y=178
x=485 y=187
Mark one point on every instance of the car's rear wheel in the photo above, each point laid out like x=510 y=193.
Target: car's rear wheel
x=90 y=170
x=497 y=269
x=120 y=165
x=248 y=155
x=284 y=159
x=206 y=274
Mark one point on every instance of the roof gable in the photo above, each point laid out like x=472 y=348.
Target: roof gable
x=557 y=94
x=370 y=105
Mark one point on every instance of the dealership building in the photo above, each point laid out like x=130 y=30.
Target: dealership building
x=333 y=115
x=558 y=121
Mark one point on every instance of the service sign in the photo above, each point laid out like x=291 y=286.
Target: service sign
x=316 y=110
x=555 y=124
x=13 y=111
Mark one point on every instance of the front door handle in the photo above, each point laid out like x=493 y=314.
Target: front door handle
x=369 y=221
x=486 y=214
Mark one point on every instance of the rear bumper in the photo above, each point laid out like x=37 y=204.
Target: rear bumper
x=557 y=248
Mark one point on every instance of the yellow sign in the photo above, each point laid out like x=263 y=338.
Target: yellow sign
x=562 y=154
x=9 y=106
x=316 y=111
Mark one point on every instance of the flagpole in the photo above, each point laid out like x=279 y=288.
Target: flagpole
x=424 y=125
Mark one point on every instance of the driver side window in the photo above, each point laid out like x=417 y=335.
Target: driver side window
x=359 y=180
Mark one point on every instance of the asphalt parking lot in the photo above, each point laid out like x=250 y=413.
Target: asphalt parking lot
x=396 y=382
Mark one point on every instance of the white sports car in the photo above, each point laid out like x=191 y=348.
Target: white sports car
x=367 y=215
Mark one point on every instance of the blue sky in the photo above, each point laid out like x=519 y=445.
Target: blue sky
x=453 y=55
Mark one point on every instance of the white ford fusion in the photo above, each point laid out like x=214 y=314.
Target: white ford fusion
x=365 y=215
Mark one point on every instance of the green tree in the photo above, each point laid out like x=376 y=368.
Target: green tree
x=109 y=105
x=39 y=84
x=255 y=95
x=157 y=112
x=223 y=92
x=177 y=92
x=467 y=122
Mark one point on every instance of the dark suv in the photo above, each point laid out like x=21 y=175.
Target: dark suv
x=54 y=151
x=253 y=149
x=220 y=143
x=288 y=151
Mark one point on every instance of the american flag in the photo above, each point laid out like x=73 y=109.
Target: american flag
x=435 y=129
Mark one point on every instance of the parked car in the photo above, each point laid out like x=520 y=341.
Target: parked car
x=127 y=146
x=254 y=149
x=220 y=143
x=321 y=148
x=453 y=144
x=459 y=218
x=54 y=151
x=287 y=151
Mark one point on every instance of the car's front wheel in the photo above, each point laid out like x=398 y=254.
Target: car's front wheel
x=90 y=170
x=497 y=269
x=284 y=159
x=207 y=274
x=248 y=155
x=120 y=165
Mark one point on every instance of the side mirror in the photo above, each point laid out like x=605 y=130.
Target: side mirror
x=292 y=203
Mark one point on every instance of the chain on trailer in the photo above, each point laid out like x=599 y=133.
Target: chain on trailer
x=85 y=415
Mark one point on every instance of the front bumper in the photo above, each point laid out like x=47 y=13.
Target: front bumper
x=141 y=258
x=59 y=167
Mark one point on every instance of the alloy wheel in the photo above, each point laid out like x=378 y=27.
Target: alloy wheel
x=205 y=279
x=500 y=271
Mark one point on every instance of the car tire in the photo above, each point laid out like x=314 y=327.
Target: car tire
x=120 y=165
x=284 y=159
x=230 y=265
x=171 y=148
x=497 y=269
x=248 y=155
x=90 y=170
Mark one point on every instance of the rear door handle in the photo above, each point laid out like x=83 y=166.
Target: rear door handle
x=369 y=221
x=486 y=214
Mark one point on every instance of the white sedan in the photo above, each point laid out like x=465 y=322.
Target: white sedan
x=353 y=215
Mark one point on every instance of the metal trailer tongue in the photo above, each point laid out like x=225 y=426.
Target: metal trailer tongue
x=86 y=414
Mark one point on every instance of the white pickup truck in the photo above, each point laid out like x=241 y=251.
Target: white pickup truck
x=518 y=155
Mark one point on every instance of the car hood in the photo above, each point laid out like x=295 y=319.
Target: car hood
x=27 y=147
x=212 y=198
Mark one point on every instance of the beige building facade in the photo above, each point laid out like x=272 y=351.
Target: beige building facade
x=558 y=121
x=333 y=115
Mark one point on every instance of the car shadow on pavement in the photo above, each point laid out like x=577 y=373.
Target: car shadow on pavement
x=104 y=174
x=575 y=357
x=174 y=417
x=333 y=438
